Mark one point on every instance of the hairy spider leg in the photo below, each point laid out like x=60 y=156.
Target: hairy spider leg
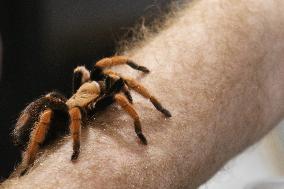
x=119 y=85
x=108 y=98
x=37 y=138
x=115 y=87
x=108 y=83
x=139 y=88
x=126 y=106
x=80 y=75
x=75 y=129
x=125 y=89
x=127 y=93
x=119 y=60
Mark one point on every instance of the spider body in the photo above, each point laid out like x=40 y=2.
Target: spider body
x=30 y=115
x=50 y=115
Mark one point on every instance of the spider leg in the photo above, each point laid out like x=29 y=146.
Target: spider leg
x=75 y=128
x=37 y=138
x=114 y=75
x=123 y=102
x=119 y=60
x=80 y=76
x=101 y=104
x=117 y=86
x=107 y=99
x=139 y=88
x=127 y=94
x=108 y=83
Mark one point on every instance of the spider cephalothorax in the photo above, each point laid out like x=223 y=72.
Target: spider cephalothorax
x=50 y=115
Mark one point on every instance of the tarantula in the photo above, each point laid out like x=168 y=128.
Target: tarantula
x=49 y=116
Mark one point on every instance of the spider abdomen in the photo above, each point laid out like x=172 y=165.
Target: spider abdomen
x=30 y=115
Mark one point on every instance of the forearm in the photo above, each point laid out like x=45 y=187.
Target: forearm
x=219 y=69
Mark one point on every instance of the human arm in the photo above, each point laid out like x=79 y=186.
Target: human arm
x=219 y=69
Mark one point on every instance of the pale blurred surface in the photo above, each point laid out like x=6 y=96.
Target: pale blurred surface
x=259 y=167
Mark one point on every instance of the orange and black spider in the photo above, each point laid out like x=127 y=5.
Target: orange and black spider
x=52 y=114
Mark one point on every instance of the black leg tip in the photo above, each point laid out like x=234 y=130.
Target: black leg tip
x=144 y=69
x=167 y=113
x=75 y=156
x=137 y=67
x=23 y=172
x=142 y=139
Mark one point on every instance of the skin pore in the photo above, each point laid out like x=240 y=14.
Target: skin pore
x=218 y=67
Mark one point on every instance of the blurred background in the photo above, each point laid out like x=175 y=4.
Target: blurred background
x=43 y=41
x=261 y=166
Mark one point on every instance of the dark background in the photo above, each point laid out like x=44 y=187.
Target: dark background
x=44 y=40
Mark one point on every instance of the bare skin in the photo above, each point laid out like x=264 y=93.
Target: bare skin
x=219 y=68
